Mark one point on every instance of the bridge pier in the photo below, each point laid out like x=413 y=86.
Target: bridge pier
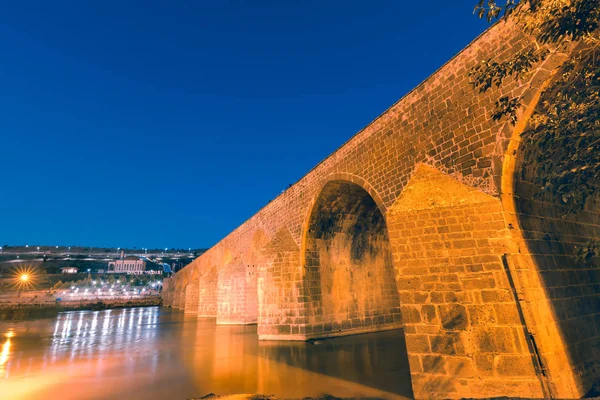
x=464 y=332
x=208 y=293
x=237 y=296
x=192 y=297
x=283 y=299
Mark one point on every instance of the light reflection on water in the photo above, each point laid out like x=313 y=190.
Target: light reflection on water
x=157 y=353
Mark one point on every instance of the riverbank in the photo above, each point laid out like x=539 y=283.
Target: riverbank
x=213 y=396
x=16 y=312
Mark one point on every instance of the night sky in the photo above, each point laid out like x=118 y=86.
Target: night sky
x=168 y=124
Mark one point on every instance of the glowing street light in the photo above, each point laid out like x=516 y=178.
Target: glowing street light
x=24 y=277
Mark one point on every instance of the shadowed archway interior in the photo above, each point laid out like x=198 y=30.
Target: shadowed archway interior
x=561 y=244
x=349 y=270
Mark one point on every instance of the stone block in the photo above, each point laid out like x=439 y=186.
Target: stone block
x=417 y=344
x=514 y=365
x=462 y=367
x=433 y=364
x=453 y=316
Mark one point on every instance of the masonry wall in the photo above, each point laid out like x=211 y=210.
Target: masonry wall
x=463 y=330
x=191 y=297
x=282 y=297
x=553 y=237
x=231 y=297
x=207 y=293
x=167 y=291
x=461 y=321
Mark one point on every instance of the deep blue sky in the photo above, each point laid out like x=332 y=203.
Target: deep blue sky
x=169 y=123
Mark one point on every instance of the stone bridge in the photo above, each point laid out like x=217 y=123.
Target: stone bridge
x=425 y=220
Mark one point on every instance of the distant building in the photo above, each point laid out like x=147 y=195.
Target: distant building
x=133 y=265
x=127 y=265
x=69 y=270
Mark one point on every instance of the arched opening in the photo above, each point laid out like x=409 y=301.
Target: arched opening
x=562 y=245
x=560 y=296
x=349 y=271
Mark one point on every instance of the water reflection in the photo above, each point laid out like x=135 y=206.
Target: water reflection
x=156 y=353
x=5 y=350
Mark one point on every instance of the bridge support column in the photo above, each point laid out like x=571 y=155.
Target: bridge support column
x=207 y=293
x=235 y=294
x=465 y=333
x=191 y=297
x=167 y=292
x=282 y=297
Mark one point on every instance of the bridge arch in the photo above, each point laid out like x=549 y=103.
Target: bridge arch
x=560 y=302
x=347 y=260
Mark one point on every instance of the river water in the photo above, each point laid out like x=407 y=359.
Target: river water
x=159 y=353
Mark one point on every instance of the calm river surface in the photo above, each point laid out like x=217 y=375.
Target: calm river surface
x=158 y=353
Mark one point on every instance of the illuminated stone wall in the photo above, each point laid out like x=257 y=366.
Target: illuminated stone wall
x=282 y=297
x=207 y=293
x=448 y=243
x=419 y=219
x=192 y=297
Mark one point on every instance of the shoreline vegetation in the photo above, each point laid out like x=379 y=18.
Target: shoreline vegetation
x=22 y=311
